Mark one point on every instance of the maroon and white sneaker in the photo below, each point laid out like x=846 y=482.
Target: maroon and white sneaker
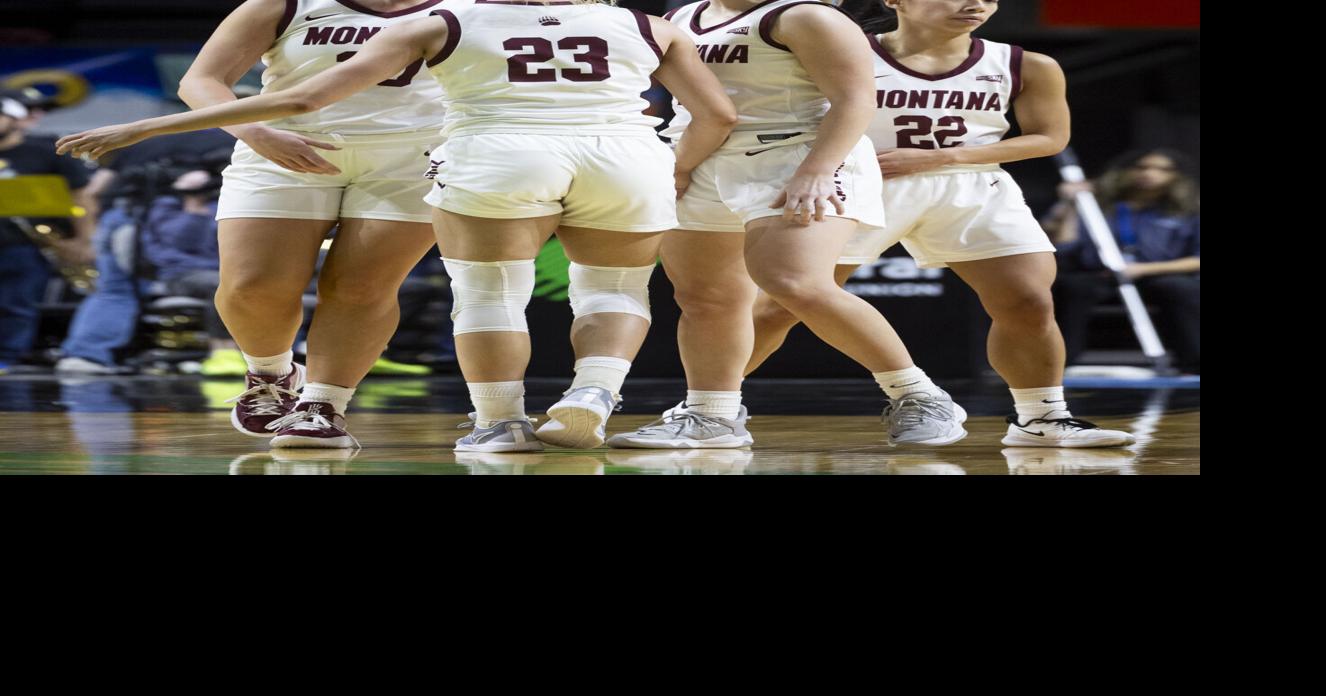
x=313 y=424
x=265 y=399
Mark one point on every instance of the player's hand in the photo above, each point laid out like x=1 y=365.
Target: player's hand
x=808 y=196
x=681 y=181
x=97 y=142
x=904 y=161
x=290 y=150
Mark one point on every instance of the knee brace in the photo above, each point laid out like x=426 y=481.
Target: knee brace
x=600 y=289
x=490 y=295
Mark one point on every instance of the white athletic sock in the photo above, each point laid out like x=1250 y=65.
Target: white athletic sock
x=276 y=365
x=497 y=401
x=338 y=397
x=1040 y=402
x=601 y=371
x=900 y=383
x=720 y=404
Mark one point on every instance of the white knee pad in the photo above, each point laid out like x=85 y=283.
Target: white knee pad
x=490 y=295
x=600 y=289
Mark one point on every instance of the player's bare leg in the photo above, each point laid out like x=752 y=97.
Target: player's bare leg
x=795 y=266
x=773 y=322
x=266 y=263
x=493 y=345
x=714 y=334
x=356 y=316
x=610 y=275
x=1027 y=350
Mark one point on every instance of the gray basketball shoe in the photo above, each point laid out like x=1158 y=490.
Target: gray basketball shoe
x=682 y=429
x=580 y=419
x=925 y=419
x=502 y=436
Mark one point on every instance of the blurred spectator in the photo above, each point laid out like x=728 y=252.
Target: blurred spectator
x=1151 y=201
x=32 y=99
x=178 y=240
x=24 y=269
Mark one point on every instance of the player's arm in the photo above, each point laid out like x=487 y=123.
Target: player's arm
x=382 y=57
x=697 y=88
x=233 y=48
x=843 y=75
x=1042 y=112
x=1188 y=264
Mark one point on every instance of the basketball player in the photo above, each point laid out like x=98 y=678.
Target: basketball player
x=942 y=97
x=545 y=132
x=357 y=164
x=796 y=180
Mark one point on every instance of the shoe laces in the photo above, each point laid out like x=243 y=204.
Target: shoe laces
x=301 y=420
x=909 y=410
x=1062 y=423
x=677 y=422
x=265 y=397
x=473 y=422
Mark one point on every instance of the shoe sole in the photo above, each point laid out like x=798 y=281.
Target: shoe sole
x=724 y=442
x=952 y=436
x=580 y=426
x=299 y=442
x=1024 y=441
x=534 y=446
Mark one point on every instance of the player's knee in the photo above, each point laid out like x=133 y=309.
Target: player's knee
x=699 y=302
x=357 y=290
x=789 y=289
x=603 y=289
x=490 y=295
x=1029 y=306
x=257 y=290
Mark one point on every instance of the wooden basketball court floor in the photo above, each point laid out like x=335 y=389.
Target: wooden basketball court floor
x=180 y=425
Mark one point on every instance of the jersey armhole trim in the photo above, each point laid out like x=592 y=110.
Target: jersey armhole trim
x=1015 y=69
x=767 y=22
x=453 y=36
x=290 y=7
x=672 y=13
x=646 y=31
x=395 y=13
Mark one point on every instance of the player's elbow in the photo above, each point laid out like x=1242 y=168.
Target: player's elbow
x=726 y=116
x=722 y=117
x=186 y=88
x=298 y=103
x=853 y=101
x=1056 y=145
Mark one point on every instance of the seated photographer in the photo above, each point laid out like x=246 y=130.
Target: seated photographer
x=177 y=241
x=26 y=260
x=1151 y=202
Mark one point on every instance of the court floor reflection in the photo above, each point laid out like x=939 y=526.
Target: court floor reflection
x=77 y=442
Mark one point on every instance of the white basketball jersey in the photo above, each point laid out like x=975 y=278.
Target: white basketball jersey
x=768 y=85
x=965 y=106
x=316 y=35
x=559 y=68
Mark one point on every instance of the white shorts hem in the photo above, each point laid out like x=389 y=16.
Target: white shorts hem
x=706 y=227
x=276 y=214
x=933 y=262
x=594 y=225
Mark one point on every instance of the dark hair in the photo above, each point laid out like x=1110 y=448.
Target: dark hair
x=871 y=15
x=1182 y=197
